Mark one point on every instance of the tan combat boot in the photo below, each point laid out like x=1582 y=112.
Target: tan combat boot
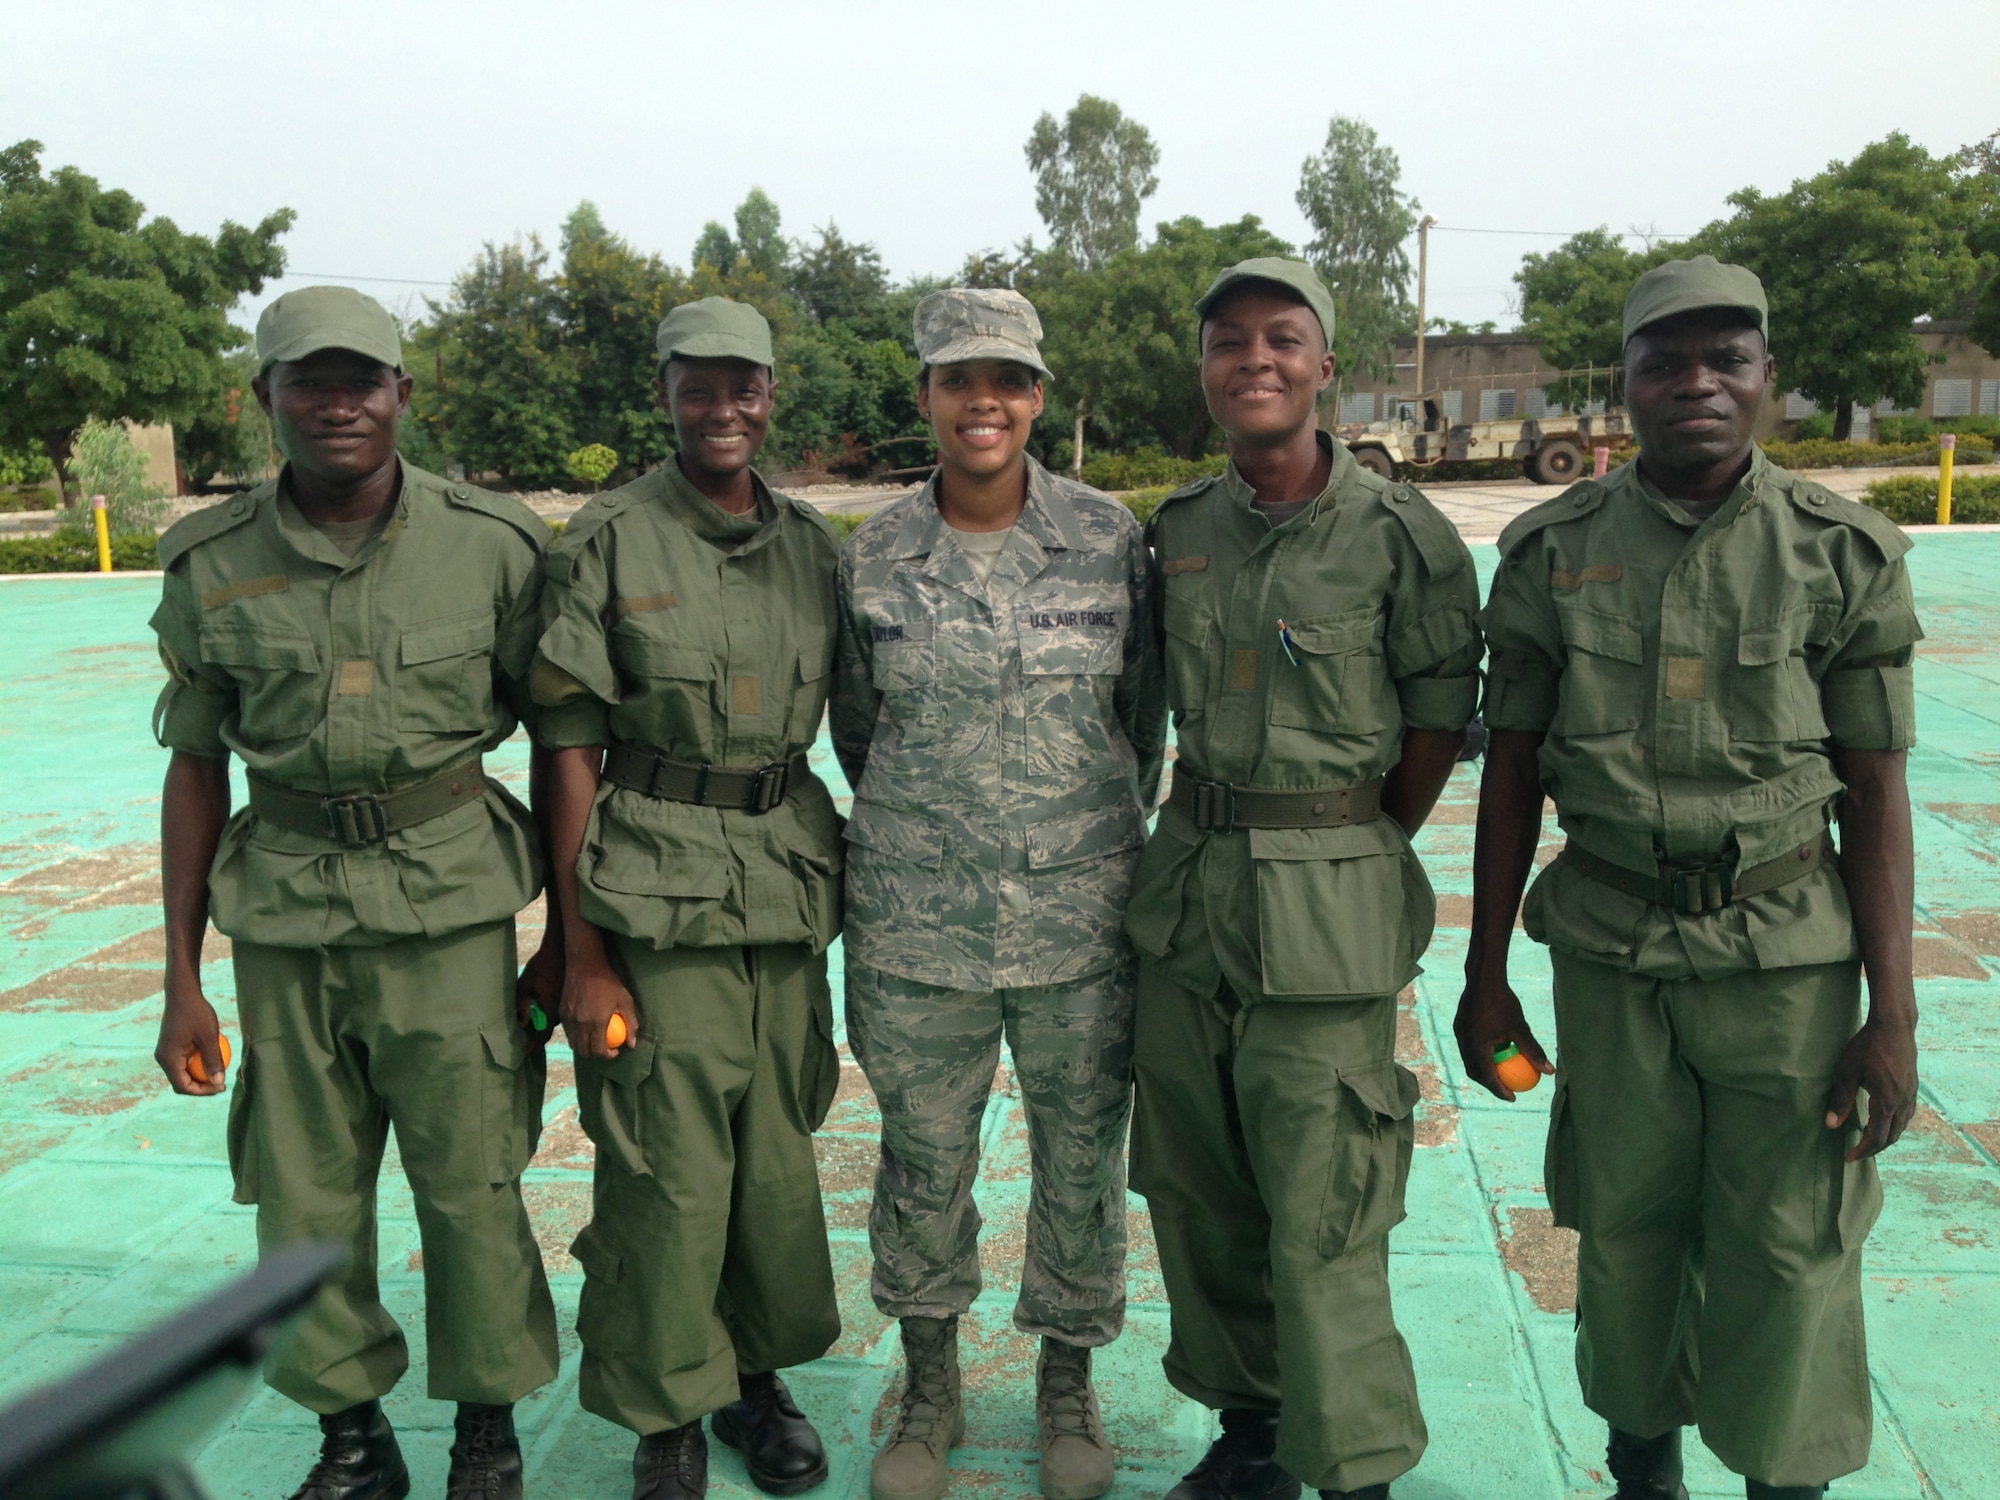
x=911 y=1465
x=1076 y=1456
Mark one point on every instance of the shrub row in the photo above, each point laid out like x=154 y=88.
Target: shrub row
x=76 y=554
x=1911 y=499
x=1825 y=453
x=1148 y=468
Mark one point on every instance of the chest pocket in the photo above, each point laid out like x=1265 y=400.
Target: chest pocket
x=1060 y=641
x=666 y=688
x=902 y=647
x=277 y=672
x=444 y=678
x=809 y=697
x=1339 y=669
x=1189 y=626
x=1604 y=688
x=1772 y=694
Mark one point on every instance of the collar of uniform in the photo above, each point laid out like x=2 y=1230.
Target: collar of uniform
x=1344 y=468
x=708 y=520
x=313 y=544
x=1739 y=499
x=1045 y=515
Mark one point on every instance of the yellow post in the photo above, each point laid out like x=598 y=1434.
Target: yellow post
x=1947 y=447
x=103 y=533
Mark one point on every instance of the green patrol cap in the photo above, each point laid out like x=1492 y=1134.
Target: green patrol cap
x=1294 y=276
x=327 y=317
x=1683 y=285
x=965 y=322
x=715 y=328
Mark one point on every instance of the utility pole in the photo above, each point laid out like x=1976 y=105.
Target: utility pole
x=1076 y=453
x=1423 y=275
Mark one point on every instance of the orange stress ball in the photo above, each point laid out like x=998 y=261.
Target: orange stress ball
x=614 y=1032
x=195 y=1069
x=1515 y=1070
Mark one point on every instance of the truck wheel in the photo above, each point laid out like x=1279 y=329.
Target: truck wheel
x=1557 y=461
x=1374 y=460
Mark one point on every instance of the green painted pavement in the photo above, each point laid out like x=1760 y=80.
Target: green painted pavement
x=114 y=1196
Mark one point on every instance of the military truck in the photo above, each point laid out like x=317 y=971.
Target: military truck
x=1554 y=447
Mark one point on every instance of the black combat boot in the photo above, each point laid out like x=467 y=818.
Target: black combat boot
x=1646 y=1468
x=671 y=1465
x=1366 y=1492
x=1239 y=1465
x=779 y=1447
x=1756 y=1489
x=486 y=1458
x=358 y=1458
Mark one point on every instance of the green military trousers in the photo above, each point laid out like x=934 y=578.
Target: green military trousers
x=1272 y=1142
x=930 y=1054
x=706 y=1253
x=340 y=1044
x=1719 y=1269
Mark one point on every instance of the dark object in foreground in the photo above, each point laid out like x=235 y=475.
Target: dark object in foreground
x=124 y=1425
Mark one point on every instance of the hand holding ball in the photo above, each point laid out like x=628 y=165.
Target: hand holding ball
x=614 y=1032
x=196 y=1070
x=1515 y=1070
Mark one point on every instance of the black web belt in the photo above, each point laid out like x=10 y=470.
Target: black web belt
x=357 y=819
x=701 y=784
x=1693 y=889
x=1218 y=807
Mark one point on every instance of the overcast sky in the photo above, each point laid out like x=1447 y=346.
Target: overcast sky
x=404 y=136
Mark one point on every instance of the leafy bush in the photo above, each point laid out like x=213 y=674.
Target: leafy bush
x=1147 y=468
x=1902 y=430
x=24 y=466
x=1818 y=425
x=1826 y=454
x=843 y=524
x=75 y=551
x=29 y=497
x=593 y=463
x=1911 y=499
x=105 y=463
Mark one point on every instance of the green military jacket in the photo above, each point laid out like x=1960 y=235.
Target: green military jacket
x=1003 y=741
x=330 y=674
x=1379 y=596
x=1691 y=677
x=674 y=626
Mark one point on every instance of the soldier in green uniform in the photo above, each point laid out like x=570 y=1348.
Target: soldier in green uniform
x=998 y=710
x=682 y=672
x=358 y=632
x=1322 y=664
x=1705 y=661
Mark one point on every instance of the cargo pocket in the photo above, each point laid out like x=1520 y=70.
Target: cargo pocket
x=242 y=1138
x=277 y=676
x=1333 y=911
x=603 y=1320
x=809 y=696
x=1772 y=694
x=1334 y=658
x=444 y=682
x=1370 y=1164
x=510 y=1099
x=819 y=1070
x=1559 y=1174
x=1850 y=1194
x=1603 y=689
x=609 y=1101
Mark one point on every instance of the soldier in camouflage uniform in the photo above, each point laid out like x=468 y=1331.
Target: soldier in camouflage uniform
x=358 y=631
x=1321 y=661
x=1705 y=660
x=997 y=706
x=696 y=869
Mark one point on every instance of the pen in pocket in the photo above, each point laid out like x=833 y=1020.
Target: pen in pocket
x=1285 y=640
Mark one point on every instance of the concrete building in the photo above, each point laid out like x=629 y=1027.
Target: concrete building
x=1485 y=376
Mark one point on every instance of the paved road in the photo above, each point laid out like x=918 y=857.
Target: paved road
x=115 y=1205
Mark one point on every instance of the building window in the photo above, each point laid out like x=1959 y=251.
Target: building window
x=1951 y=398
x=1799 y=406
x=1454 y=403
x=1358 y=407
x=1496 y=405
x=1539 y=405
x=1864 y=423
x=1989 y=398
x=1594 y=408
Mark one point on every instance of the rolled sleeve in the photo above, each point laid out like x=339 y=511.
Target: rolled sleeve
x=1523 y=675
x=1868 y=681
x=570 y=678
x=1441 y=703
x=1433 y=645
x=198 y=699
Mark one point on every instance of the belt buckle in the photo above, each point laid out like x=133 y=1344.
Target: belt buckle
x=1215 y=806
x=356 y=819
x=1700 y=889
x=768 y=787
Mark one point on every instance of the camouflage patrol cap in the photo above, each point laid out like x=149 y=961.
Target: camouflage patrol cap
x=715 y=328
x=962 y=323
x=1293 y=276
x=327 y=317
x=1684 y=285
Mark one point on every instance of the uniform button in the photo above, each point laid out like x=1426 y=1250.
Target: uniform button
x=1816 y=499
x=1400 y=498
x=1319 y=809
x=455 y=787
x=238 y=508
x=459 y=492
x=1581 y=501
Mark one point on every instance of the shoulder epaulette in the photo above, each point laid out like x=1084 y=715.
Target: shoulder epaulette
x=499 y=507
x=1187 y=491
x=1572 y=504
x=810 y=512
x=1438 y=541
x=210 y=521
x=1823 y=505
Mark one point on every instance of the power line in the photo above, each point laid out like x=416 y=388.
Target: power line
x=1561 y=234
x=392 y=280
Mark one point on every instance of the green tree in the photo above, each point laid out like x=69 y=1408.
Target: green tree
x=1124 y=343
x=105 y=313
x=714 y=248
x=757 y=238
x=1351 y=193
x=503 y=397
x=613 y=298
x=1849 y=259
x=838 y=279
x=1980 y=163
x=1093 y=171
x=229 y=435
